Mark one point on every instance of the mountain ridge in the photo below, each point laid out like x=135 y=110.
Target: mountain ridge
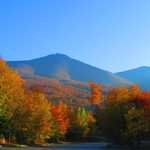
x=63 y=67
x=139 y=75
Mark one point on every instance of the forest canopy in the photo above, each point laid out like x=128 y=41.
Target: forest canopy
x=29 y=116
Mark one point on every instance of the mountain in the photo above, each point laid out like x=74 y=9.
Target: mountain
x=62 y=67
x=140 y=76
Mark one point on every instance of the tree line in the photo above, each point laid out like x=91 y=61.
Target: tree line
x=27 y=116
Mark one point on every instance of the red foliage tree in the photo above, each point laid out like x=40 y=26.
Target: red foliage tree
x=144 y=100
x=60 y=114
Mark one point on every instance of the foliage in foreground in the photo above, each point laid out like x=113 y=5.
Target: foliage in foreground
x=27 y=116
x=125 y=118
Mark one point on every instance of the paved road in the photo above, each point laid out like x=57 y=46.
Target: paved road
x=64 y=147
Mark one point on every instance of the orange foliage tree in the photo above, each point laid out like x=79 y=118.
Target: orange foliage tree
x=96 y=95
x=144 y=100
x=26 y=115
x=11 y=88
x=118 y=95
x=123 y=94
x=134 y=91
x=11 y=97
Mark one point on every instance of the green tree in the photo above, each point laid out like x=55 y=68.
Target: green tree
x=111 y=121
x=83 y=123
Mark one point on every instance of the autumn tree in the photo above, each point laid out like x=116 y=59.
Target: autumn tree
x=61 y=121
x=134 y=92
x=96 y=96
x=35 y=120
x=143 y=100
x=23 y=116
x=120 y=94
x=137 y=126
x=11 y=96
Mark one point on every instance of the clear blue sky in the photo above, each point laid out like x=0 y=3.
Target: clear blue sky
x=110 y=34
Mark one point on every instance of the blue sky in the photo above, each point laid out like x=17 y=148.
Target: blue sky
x=110 y=34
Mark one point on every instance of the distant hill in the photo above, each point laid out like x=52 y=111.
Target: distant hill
x=140 y=76
x=62 y=67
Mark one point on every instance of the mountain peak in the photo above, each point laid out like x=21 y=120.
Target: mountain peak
x=58 y=55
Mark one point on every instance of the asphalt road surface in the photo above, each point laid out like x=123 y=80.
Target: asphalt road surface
x=64 y=147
